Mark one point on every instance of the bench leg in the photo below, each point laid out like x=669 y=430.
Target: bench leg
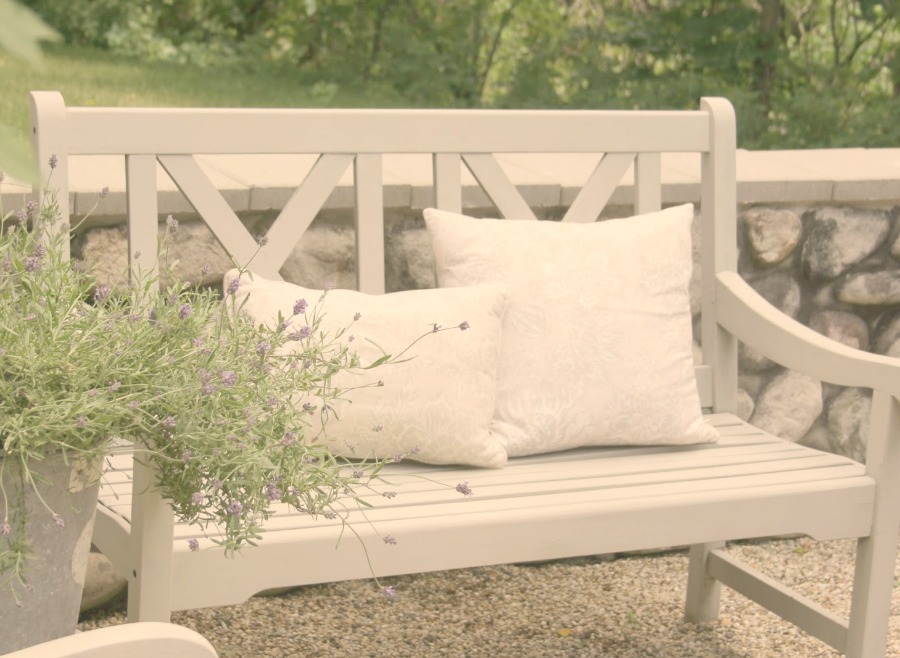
x=876 y=554
x=152 y=529
x=702 y=590
x=870 y=607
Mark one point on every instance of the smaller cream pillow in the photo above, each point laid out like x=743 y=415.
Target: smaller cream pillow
x=440 y=402
x=597 y=343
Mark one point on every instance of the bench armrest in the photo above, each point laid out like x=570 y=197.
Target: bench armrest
x=751 y=319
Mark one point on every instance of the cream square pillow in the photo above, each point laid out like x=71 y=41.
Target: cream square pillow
x=596 y=345
x=440 y=402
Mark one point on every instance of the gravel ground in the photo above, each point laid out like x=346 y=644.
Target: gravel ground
x=623 y=608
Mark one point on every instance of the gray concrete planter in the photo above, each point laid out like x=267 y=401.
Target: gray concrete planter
x=46 y=606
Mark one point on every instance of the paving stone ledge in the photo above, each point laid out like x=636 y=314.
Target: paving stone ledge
x=263 y=183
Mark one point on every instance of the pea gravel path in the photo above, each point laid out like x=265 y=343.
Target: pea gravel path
x=598 y=608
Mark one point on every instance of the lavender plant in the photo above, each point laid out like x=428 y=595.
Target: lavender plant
x=209 y=397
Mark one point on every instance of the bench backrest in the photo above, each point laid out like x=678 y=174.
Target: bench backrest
x=623 y=141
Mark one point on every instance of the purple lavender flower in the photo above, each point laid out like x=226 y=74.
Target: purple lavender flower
x=172 y=223
x=300 y=307
x=358 y=474
x=273 y=493
x=465 y=489
x=169 y=422
x=5 y=529
x=307 y=407
x=32 y=264
x=102 y=293
x=104 y=192
x=185 y=311
x=115 y=386
x=193 y=544
x=263 y=241
x=58 y=520
x=81 y=421
x=389 y=494
x=357 y=316
x=234 y=285
x=389 y=592
x=31 y=207
x=229 y=378
x=40 y=250
x=389 y=539
x=20 y=216
x=235 y=508
x=197 y=497
x=186 y=456
x=289 y=439
x=53 y=161
x=463 y=325
x=263 y=347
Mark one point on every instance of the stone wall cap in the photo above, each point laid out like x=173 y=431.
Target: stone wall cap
x=256 y=182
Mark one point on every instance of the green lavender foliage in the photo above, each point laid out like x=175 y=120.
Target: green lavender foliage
x=220 y=405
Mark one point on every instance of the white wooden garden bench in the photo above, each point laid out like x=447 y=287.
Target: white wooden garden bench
x=590 y=501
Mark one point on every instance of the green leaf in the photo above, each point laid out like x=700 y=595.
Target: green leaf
x=22 y=30
x=16 y=157
x=377 y=362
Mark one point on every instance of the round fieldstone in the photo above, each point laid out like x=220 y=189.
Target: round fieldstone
x=101 y=584
x=772 y=234
x=871 y=289
x=789 y=405
x=847 y=328
x=817 y=436
x=848 y=423
x=752 y=383
x=888 y=340
x=839 y=238
x=409 y=260
x=104 y=252
x=323 y=255
x=745 y=405
x=782 y=291
x=754 y=361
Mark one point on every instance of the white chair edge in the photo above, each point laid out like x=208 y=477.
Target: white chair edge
x=138 y=640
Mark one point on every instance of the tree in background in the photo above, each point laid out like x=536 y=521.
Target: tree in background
x=802 y=73
x=21 y=34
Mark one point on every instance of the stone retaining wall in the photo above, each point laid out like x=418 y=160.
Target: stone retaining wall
x=834 y=268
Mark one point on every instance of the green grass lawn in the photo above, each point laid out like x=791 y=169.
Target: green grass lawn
x=95 y=78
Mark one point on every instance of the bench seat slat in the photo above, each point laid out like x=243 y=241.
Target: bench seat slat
x=444 y=500
x=605 y=463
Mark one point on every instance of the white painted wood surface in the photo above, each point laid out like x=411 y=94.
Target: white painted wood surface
x=144 y=640
x=578 y=503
